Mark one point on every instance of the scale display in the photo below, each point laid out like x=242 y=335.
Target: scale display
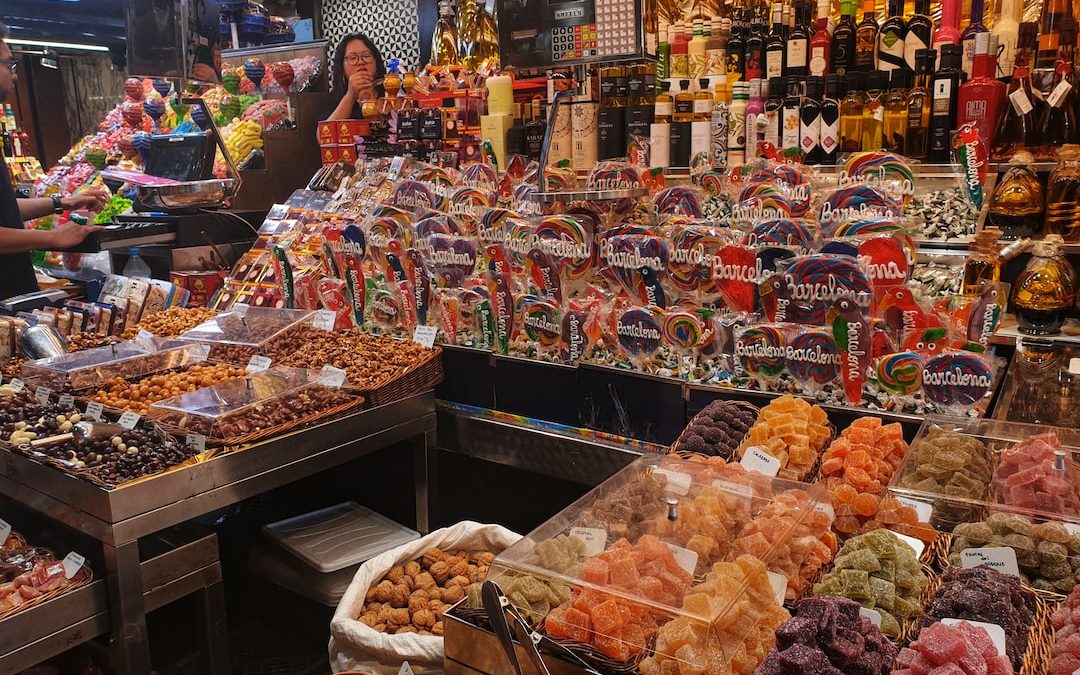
x=544 y=33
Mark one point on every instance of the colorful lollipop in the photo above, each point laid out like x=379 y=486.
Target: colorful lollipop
x=133 y=89
x=230 y=81
x=677 y=200
x=133 y=114
x=542 y=323
x=820 y=279
x=886 y=170
x=957 y=379
x=284 y=75
x=761 y=350
x=851 y=331
x=682 y=330
x=639 y=333
x=127 y=147
x=900 y=372
x=143 y=144
x=812 y=358
x=199 y=117
x=162 y=87
x=255 y=71
x=568 y=239
x=155 y=109
x=230 y=107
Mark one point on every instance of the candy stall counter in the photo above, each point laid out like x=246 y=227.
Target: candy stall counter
x=94 y=367
x=242 y=332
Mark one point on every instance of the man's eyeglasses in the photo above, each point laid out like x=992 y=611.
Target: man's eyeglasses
x=12 y=64
x=354 y=59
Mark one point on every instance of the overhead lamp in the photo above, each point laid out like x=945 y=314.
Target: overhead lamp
x=56 y=45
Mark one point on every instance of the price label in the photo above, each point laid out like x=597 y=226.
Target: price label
x=756 y=459
x=1020 y=102
x=922 y=509
x=258 y=363
x=826 y=508
x=1074 y=366
x=240 y=310
x=1000 y=558
x=916 y=545
x=93 y=411
x=425 y=336
x=677 y=482
x=595 y=538
x=779 y=586
x=332 y=377
x=1059 y=93
x=197 y=441
x=686 y=558
x=42 y=394
x=734 y=488
x=17 y=385
x=872 y=614
x=396 y=165
x=5 y=531
x=144 y=334
x=72 y=563
x=996 y=632
x=323 y=320
x=67 y=401
x=1072 y=528
x=129 y=419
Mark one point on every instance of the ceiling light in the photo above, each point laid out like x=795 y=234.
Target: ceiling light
x=57 y=45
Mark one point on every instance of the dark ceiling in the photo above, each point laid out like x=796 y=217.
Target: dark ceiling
x=89 y=21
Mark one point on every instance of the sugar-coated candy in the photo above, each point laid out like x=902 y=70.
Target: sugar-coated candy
x=716 y=430
x=791 y=430
x=941 y=649
x=1066 y=622
x=864 y=456
x=1047 y=553
x=827 y=635
x=1038 y=474
x=880 y=572
x=623 y=511
x=952 y=465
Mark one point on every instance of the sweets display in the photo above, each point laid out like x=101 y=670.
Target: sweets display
x=29 y=574
x=171 y=322
x=237 y=335
x=1066 y=623
x=1039 y=473
x=536 y=596
x=121 y=394
x=93 y=368
x=1047 y=553
x=961 y=648
x=791 y=430
x=953 y=468
x=828 y=635
x=880 y=572
x=864 y=456
x=717 y=430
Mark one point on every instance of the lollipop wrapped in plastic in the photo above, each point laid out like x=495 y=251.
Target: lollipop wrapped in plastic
x=255 y=71
x=230 y=80
x=283 y=74
x=608 y=175
x=761 y=350
x=678 y=200
x=957 y=380
x=683 y=332
x=143 y=144
x=899 y=374
x=155 y=109
x=639 y=262
x=541 y=326
x=639 y=332
x=886 y=171
x=230 y=107
x=133 y=89
x=133 y=114
x=812 y=358
x=127 y=147
x=162 y=87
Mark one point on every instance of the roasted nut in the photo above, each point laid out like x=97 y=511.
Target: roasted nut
x=370 y=595
x=399 y=617
x=400 y=597
x=432 y=556
x=417 y=603
x=440 y=571
x=396 y=574
x=435 y=594
x=424 y=580
x=369 y=618
x=458 y=581
x=424 y=618
x=384 y=592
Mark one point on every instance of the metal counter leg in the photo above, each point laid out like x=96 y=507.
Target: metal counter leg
x=214 y=633
x=425 y=468
x=129 y=643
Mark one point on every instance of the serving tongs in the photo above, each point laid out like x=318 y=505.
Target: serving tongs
x=81 y=432
x=503 y=615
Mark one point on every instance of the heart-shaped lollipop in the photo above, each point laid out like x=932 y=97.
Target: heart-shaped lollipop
x=284 y=75
x=255 y=71
x=141 y=141
x=155 y=108
x=127 y=147
x=199 y=116
x=162 y=87
x=133 y=114
x=133 y=88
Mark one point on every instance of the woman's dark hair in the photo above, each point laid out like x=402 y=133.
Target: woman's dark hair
x=339 y=85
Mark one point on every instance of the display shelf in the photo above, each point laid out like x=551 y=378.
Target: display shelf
x=1008 y=333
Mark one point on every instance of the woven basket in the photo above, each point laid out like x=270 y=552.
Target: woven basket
x=84 y=576
x=14 y=540
x=417 y=378
x=942 y=552
x=603 y=662
x=673 y=448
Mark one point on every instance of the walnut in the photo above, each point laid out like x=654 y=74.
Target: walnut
x=381 y=627
x=410 y=583
x=453 y=594
x=405 y=629
x=439 y=609
x=369 y=618
x=437 y=629
x=435 y=606
x=484 y=557
x=370 y=595
x=477 y=577
x=423 y=632
x=412 y=569
x=458 y=566
x=401 y=596
x=458 y=581
x=396 y=574
x=416 y=602
x=384 y=592
x=432 y=556
x=471 y=569
x=373 y=606
x=384 y=614
x=424 y=580
x=425 y=618
x=435 y=594
x=399 y=617
x=440 y=571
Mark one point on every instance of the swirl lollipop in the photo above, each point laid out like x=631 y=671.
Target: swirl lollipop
x=885 y=169
x=761 y=351
x=230 y=81
x=199 y=117
x=639 y=333
x=682 y=331
x=568 y=239
x=542 y=323
x=900 y=372
x=812 y=358
x=133 y=114
x=693 y=250
x=781 y=232
x=133 y=89
x=957 y=379
x=155 y=109
x=255 y=71
x=677 y=200
x=162 y=87
x=141 y=141
x=480 y=176
x=638 y=261
x=820 y=279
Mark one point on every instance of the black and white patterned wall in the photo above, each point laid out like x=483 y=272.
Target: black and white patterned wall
x=392 y=24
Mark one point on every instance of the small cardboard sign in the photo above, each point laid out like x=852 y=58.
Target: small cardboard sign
x=425 y=336
x=72 y=563
x=1000 y=558
x=756 y=459
x=595 y=538
x=129 y=419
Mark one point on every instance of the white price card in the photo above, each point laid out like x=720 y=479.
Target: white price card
x=677 y=482
x=17 y=385
x=1072 y=528
x=200 y=352
x=1074 y=366
x=779 y=586
x=595 y=538
x=323 y=320
x=686 y=558
x=240 y=309
x=258 y=363
x=72 y=563
x=425 y=335
x=872 y=614
x=144 y=334
x=42 y=394
x=996 y=632
x=1000 y=558
x=756 y=459
x=924 y=510
x=67 y=400
x=330 y=376
x=129 y=419
x=734 y=488
x=826 y=508
x=93 y=411
x=916 y=545
x=5 y=531
x=196 y=441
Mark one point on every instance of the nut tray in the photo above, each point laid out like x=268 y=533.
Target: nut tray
x=93 y=367
x=236 y=336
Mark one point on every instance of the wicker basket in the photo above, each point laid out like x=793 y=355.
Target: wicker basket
x=84 y=576
x=417 y=378
x=672 y=449
x=944 y=547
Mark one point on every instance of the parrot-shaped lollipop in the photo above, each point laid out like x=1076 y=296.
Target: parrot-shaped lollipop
x=141 y=141
x=501 y=295
x=545 y=274
x=903 y=315
x=133 y=89
x=255 y=71
x=851 y=332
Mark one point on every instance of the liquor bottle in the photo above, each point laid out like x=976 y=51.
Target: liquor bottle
x=714 y=50
x=1063 y=195
x=798 y=44
x=774 y=45
x=755 y=108
x=700 y=133
x=680 y=56
x=641 y=95
x=851 y=113
x=535 y=129
x=1053 y=12
x=1017 y=203
x=720 y=117
x=982 y=266
x=789 y=115
x=890 y=47
x=944 y=88
x=830 y=119
x=695 y=50
x=1058 y=124
x=967 y=38
x=736 y=46
x=611 y=120
x=1045 y=291
x=664 y=107
x=488 y=36
x=948 y=32
x=468 y=32
x=774 y=105
x=821 y=48
x=981 y=98
x=1007 y=29
x=684 y=103
x=918 y=107
x=754 y=60
x=873 y=126
x=810 y=121
x=515 y=135
x=895 y=124
x=444 y=41
x=866 y=38
x=736 y=148
x=1017 y=128
x=663 y=52
x=843 y=40
x=919 y=28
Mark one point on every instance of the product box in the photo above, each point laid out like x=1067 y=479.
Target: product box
x=201 y=285
x=348 y=129
x=327 y=132
x=330 y=153
x=347 y=153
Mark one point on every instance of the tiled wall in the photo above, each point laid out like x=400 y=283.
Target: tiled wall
x=391 y=24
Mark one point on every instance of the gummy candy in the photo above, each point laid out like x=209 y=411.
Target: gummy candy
x=1038 y=474
x=791 y=430
x=1044 y=563
x=962 y=649
x=949 y=464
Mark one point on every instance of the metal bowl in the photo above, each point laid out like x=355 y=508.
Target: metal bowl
x=196 y=194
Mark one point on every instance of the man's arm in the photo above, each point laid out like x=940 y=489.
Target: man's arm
x=30 y=209
x=92 y=199
x=14 y=240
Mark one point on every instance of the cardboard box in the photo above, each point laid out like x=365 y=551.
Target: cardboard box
x=347 y=153
x=330 y=153
x=201 y=285
x=327 y=133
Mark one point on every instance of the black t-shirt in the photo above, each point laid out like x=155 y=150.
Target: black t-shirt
x=16 y=270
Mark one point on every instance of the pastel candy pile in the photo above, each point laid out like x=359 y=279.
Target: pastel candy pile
x=716 y=430
x=791 y=534
x=828 y=636
x=962 y=649
x=1066 y=622
x=623 y=512
x=986 y=595
x=1046 y=553
x=1028 y=476
x=618 y=627
x=737 y=600
x=949 y=464
x=791 y=430
x=864 y=456
x=535 y=596
x=880 y=572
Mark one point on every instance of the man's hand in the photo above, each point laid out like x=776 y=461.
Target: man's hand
x=91 y=199
x=70 y=234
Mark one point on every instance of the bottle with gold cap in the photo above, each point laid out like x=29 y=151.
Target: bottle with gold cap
x=987 y=259
x=1063 y=195
x=1045 y=291
x=1016 y=206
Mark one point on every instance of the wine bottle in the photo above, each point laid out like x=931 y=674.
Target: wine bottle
x=890 y=48
x=754 y=61
x=981 y=98
x=1053 y=12
x=830 y=119
x=948 y=32
x=774 y=45
x=874 y=110
x=944 y=88
x=1058 y=123
x=967 y=38
x=773 y=111
x=919 y=28
x=918 y=106
x=866 y=38
x=1007 y=29
x=851 y=113
x=843 y=40
x=896 y=111
x=821 y=48
x=798 y=44
x=810 y=121
x=1017 y=128
x=789 y=116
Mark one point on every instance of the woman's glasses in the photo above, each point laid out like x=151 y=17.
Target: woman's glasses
x=354 y=59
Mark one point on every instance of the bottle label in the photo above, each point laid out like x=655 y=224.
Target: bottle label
x=719 y=135
x=1020 y=102
x=736 y=138
x=1057 y=96
x=774 y=63
x=789 y=129
x=830 y=136
x=663 y=108
x=890 y=51
x=968 y=58
x=751 y=134
x=660 y=145
x=1006 y=54
x=796 y=54
x=912 y=44
x=772 y=127
x=684 y=106
x=942 y=96
x=680 y=65
x=699 y=138
x=715 y=62
x=818 y=64
x=699 y=63
x=702 y=106
x=810 y=133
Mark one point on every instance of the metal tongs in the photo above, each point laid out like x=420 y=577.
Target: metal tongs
x=504 y=615
x=80 y=433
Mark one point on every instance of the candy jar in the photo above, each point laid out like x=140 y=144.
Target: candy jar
x=392 y=84
x=1017 y=203
x=1045 y=291
x=1062 y=208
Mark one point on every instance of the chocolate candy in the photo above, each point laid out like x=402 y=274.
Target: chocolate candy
x=716 y=430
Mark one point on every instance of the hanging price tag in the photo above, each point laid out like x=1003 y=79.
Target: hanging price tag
x=595 y=538
x=5 y=531
x=396 y=165
x=425 y=336
x=258 y=363
x=42 y=394
x=1020 y=102
x=129 y=419
x=323 y=320
x=240 y=310
x=17 y=385
x=1059 y=93
x=72 y=563
x=332 y=377
x=67 y=401
x=196 y=441
x=756 y=459
x=93 y=411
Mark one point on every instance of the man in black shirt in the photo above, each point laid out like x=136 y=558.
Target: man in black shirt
x=16 y=270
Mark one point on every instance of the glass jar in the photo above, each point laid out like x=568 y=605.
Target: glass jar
x=1017 y=205
x=1045 y=291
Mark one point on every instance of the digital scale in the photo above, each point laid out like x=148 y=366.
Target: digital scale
x=546 y=33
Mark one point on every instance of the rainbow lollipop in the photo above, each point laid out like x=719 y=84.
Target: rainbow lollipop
x=677 y=200
x=957 y=379
x=812 y=358
x=255 y=71
x=889 y=171
x=127 y=147
x=568 y=239
x=133 y=89
x=682 y=330
x=900 y=372
x=283 y=74
x=761 y=350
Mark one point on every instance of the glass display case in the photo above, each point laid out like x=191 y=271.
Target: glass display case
x=236 y=335
x=94 y=367
x=1040 y=386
